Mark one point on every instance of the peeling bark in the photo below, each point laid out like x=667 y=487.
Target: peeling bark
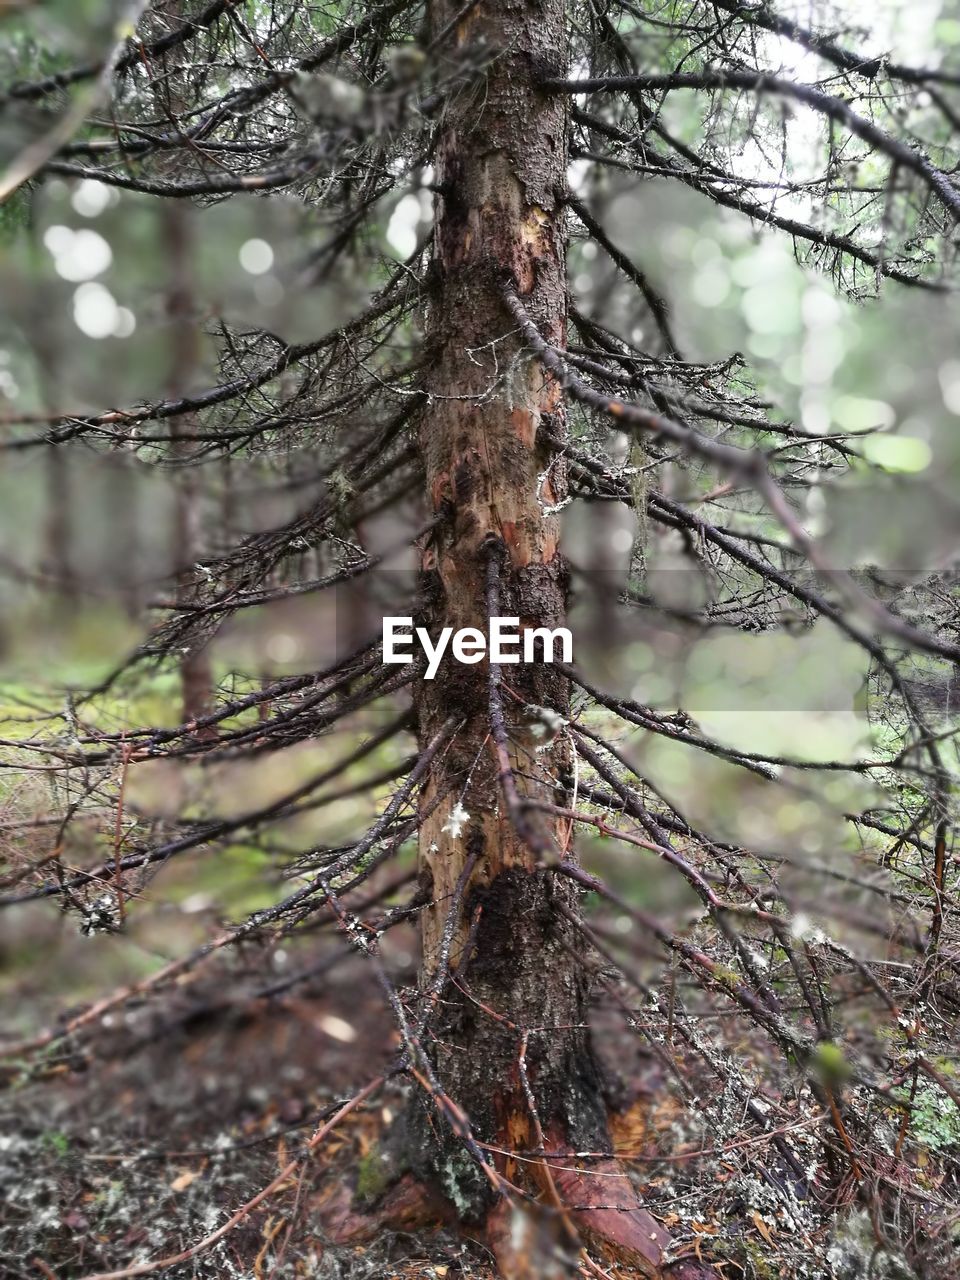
x=508 y=1036
x=501 y=169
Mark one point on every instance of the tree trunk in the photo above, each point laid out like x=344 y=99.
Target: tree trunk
x=507 y=976
x=196 y=678
x=60 y=530
x=196 y=675
x=501 y=170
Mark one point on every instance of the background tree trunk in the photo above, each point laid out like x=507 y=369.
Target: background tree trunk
x=196 y=677
x=515 y=954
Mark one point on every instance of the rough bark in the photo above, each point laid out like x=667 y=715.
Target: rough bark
x=501 y=169
x=508 y=1029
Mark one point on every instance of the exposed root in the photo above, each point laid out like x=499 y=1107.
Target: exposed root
x=527 y=1244
x=407 y=1206
x=576 y=1203
x=607 y=1212
x=603 y=1206
x=595 y=1206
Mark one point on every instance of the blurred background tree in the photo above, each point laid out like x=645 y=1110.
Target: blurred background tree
x=638 y=316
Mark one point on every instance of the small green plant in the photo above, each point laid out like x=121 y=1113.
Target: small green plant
x=57 y=1142
x=935 y=1119
x=374 y=1174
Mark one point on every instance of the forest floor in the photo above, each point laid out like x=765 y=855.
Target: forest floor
x=190 y=1107
x=188 y=1112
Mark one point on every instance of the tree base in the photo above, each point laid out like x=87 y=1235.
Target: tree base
x=546 y=1239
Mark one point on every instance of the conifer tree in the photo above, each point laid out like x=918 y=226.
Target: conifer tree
x=686 y=265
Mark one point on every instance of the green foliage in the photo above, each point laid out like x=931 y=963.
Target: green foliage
x=57 y=1141
x=934 y=1117
x=14 y=217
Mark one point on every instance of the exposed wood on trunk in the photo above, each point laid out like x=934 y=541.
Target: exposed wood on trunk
x=501 y=168
x=510 y=1038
